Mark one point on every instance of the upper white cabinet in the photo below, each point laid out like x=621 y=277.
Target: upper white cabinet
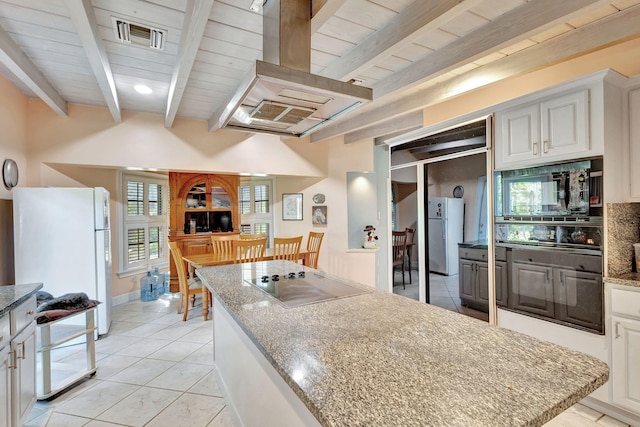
x=566 y=122
x=549 y=129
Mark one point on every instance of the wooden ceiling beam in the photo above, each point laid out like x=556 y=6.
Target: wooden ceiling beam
x=613 y=29
x=21 y=66
x=506 y=30
x=322 y=10
x=84 y=20
x=404 y=123
x=195 y=21
x=415 y=20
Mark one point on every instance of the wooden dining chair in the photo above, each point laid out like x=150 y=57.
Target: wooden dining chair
x=410 y=236
x=253 y=236
x=222 y=243
x=187 y=287
x=399 y=245
x=313 y=248
x=287 y=248
x=249 y=250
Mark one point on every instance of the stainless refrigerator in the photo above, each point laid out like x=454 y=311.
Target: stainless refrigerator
x=62 y=238
x=445 y=221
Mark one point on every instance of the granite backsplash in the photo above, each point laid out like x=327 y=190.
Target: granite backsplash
x=623 y=230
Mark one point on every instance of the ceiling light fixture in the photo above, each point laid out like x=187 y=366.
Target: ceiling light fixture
x=143 y=89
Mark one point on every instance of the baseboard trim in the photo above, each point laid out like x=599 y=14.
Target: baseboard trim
x=125 y=298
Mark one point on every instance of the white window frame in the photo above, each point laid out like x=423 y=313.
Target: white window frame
x=253 y=218
x=144 y=221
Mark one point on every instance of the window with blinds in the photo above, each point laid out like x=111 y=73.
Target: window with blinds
x=254 y=198
x=145 y=224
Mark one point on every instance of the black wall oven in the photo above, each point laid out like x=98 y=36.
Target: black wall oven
x=551 y=225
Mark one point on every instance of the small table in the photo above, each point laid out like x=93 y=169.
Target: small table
x=213 y=259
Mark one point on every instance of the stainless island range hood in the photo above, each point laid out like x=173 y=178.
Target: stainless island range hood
x=279 y=95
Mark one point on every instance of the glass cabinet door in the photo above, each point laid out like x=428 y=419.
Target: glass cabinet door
x=219 y=198
x=197 y=196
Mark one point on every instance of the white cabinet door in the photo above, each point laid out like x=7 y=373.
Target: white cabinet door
x=634 y=141
x=5 y=385
x=24 y=374
x=625 y=369
x=565 y=124
x=518 y=138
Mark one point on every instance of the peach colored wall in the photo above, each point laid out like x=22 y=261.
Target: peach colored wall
x=622 y=58
x=13 y=143
x=334 y=257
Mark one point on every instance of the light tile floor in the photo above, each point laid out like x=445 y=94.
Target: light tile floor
x=155 y=370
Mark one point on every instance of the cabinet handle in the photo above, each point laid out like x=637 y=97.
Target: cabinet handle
x=30 y=313
x=1 y=338
x=23 y=353
x=12 y=360
x=545 y=146
x=548 y=276
x=535 y=148
x=617 y=329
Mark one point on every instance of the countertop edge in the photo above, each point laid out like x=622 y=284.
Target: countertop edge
x=17 y=294
x=630 y=279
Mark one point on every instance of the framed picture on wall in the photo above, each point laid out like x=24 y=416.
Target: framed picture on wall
x=319 y=215
x=292 y=206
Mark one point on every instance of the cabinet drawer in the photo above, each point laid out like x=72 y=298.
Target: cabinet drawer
x=474 y=254
x=5 y=330
x=625 y=302
x=23 y=315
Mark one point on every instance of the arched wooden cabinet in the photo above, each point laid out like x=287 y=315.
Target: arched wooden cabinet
x=200 y=205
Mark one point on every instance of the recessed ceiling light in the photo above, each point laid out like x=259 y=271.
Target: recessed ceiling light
x=143 y=89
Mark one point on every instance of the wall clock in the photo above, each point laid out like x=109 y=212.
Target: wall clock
x=458 y=191
x=10 y=173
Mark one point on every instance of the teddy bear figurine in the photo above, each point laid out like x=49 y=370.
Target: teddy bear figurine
x=370 y=238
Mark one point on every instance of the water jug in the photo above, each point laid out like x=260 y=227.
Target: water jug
x=146 y=288
x=167 y=283
x=157 y=283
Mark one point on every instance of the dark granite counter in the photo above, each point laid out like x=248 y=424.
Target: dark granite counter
x=474 y=244
x=627 y=279
x=385 y=360
x=13 y=295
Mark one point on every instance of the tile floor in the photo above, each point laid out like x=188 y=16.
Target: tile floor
x=443 y=291
x=155 y=370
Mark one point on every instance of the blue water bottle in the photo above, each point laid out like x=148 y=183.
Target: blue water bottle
x=157 y=283
x=146 y=287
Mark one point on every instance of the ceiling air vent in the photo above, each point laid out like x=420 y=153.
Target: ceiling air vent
x=138 y=34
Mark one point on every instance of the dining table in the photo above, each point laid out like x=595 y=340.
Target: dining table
x=213 y=259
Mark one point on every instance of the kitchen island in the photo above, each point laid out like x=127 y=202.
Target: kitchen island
x=382 y=359
x=12 y=296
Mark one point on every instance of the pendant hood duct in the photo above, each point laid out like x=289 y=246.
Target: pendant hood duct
x=279 y=95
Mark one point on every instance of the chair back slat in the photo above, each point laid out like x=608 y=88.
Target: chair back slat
x=249 y=250
x=222 y=243
x=287 y=248
x=399 y=244
x=176 y=253
x=313 y=247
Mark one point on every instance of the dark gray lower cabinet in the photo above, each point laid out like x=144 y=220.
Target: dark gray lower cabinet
x=474 y=279
x=532 y=287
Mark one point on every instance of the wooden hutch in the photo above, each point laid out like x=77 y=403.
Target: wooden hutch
x=200 y=205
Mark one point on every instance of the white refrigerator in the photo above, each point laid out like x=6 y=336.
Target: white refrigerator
x=446 y=219
x=62 y=239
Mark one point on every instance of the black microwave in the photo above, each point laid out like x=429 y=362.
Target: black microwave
x=554 y=190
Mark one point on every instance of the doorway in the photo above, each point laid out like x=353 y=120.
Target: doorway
x=439 y=189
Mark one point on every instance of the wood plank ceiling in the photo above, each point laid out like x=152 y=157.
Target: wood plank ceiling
x=412 y=53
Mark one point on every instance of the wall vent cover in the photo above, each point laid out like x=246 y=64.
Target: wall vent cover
x=139 y=34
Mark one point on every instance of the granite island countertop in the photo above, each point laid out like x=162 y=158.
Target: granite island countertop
x=13 y=295
x=386 y=360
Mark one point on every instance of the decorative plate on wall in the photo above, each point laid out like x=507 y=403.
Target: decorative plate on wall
x=318 y=198
x=458 y=191
x=10 y=173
